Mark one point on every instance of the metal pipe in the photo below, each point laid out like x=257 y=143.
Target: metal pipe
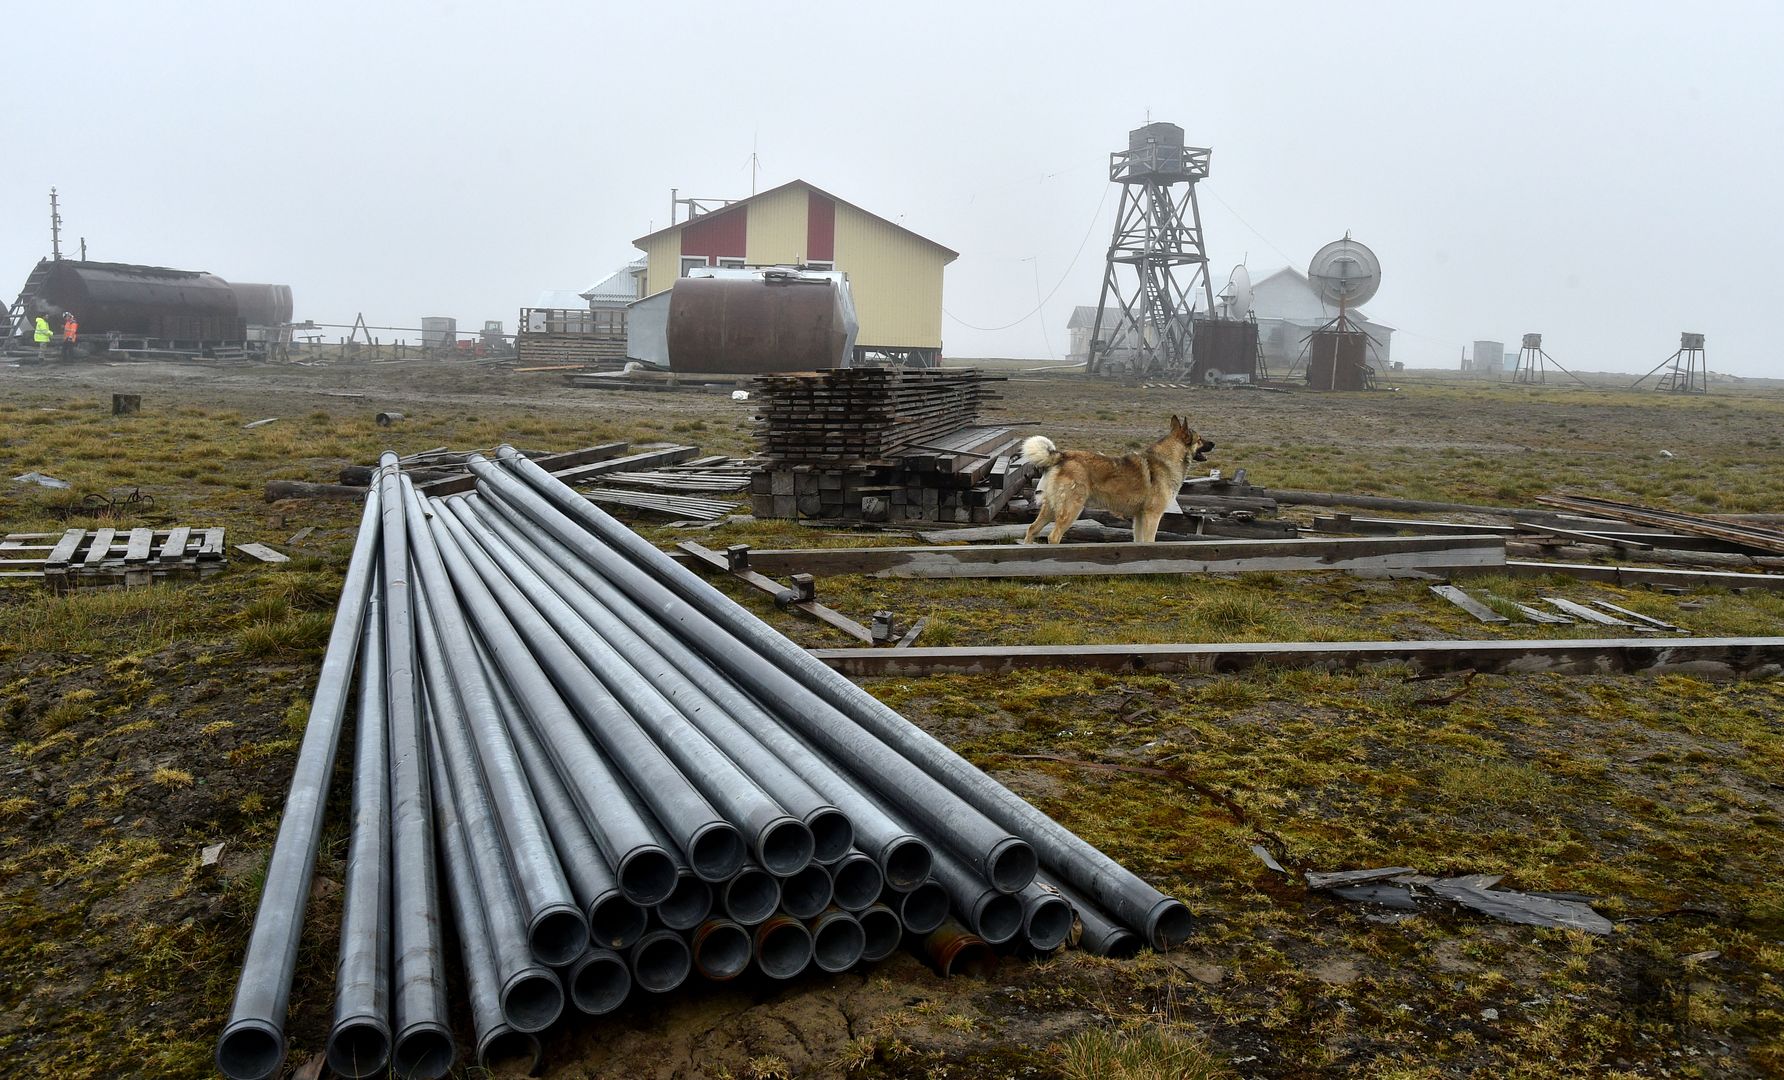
x=783 y=947
x=780 y=841
x=497 y=999
x=721 y=949
x=510 y=622
x=904 y=857
x=359 y=1036
x=556 y=929
x=1097 y=933
x=705 y=705
x=599 y=981
x=646 y=871
x=1046 y=918
x=1162 y=920
x=881 y=931
x=510 y=1053
x=614 y=921
x=993 y=915
x=661 y=961
x=857 y=882
x=923 y=908
x=422 y=1040
x=751 y=895
x=837 y=940
x=952 y=949
x=252 y=1043
x=810 y=891
x=530 y=995
x=688 y=905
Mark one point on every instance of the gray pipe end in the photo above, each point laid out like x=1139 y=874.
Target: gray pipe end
x=857 y=882
x=250 y=1049
x=751 y=896
x=688 y=904
x=721 y=949
x=715 y=851
x=615 y=922
x=1047 y=923
x=505 y=1052
x=906 y=862
x=359 y=1047
x=807 y=893
x=924 y=908
x=661 y=961
x=996 y=917
x=1168 y=923
x=646 y=874
x=881 y=932
x=783 y=948
x=837 y=941
x=600 y=982
x=1011 y=865
x=531 y=999
x=832 y=834
x=423 y=1052
x=785 y=846
x=1117 y=944
x=558 y=935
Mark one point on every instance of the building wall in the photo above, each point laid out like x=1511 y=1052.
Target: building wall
x=897 y=281
x=777 y=228
x=664 y=253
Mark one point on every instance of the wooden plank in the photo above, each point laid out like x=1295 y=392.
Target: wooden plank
x=1176 y=557
x=551 y=463
x=1757 y=657
x=141 y=541
x=708 y=559
x=173 y=549
x=1645 y=575
x=1601 y=539
x=212 y=548
x=63 y=553
x=642 y=460
x=100 y=549
x=1592 y=615
x=1658 y=624
x=262 y=552
x=1537 y=615
x=1469 y=604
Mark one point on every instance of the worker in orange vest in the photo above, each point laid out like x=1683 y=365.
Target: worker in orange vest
x=70 y=331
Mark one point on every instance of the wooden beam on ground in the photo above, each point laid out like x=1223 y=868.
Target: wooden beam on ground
x=647 y=459
x=1581 y=611
x=262 y=552
x=1601 y=539
x=173 y=549
x=63 y=553
x=1469 y=604
x=707 y=559
x=1645 y=575
x=1750 y=656
x=1370 y=553
x=100 y=549
x=551 y=463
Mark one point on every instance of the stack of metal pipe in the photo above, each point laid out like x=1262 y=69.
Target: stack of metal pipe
x=609 y=776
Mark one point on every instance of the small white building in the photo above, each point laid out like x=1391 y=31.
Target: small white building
x=1288 y=309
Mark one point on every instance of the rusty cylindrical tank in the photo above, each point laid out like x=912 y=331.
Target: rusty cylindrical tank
x=136 y=300
x=261 y=304
x=761 y=323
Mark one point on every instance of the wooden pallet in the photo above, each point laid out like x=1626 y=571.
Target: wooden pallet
x=79 y=557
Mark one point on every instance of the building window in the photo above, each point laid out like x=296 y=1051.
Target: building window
x=688 y=262
x=821 y=264
x=731 y=263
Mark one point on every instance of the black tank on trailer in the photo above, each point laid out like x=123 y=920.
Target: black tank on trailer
x=151 y=302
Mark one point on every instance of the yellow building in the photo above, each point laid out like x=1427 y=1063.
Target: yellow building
x=894 y=274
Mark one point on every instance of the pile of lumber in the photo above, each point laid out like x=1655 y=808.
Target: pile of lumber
x=864 y=415
x=81 y=557
x=966 y=475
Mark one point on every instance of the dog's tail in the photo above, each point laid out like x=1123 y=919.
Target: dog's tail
x=1039 y=450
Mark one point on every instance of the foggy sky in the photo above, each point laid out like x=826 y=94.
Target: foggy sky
x=1603 y=173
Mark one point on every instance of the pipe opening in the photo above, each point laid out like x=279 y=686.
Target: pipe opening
x=600 y=982
x=661 y=961
x=924 y=907
x=1048 y=923
x=786 y=847
x=997 y=917
x=687 y=905
x=722 y=950
x=1118 y=945
x=806 y=893
x=509 y=1053
x=1170 y=924
x=752 y=895
x=907 y=863
x=881 y=932
x=614 y=922
x=558 y=936
x=252 y=1051
x=837 y=943
x=857 y=881
x=971 y=958
x=646 y=875
x=423 y=1054
x=1011 y=865
x=532 y=1000
x=783 y=948
x=716 y=851
x=831 y=833
x=359 y=1049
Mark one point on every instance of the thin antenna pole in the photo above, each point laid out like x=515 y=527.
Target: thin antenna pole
x=83 y=249
x=755 y=162
x=674 y=199
x=55 y=228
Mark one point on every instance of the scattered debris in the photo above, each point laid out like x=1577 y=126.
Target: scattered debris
x=1444 y=699
x=1402 y=888
x=1700 y=957
x=1657 y=624
x=385 y=419
x=262 y=552
x=1594 y=615
x=211 y=854
x=1469 y=604
x=1269 y=860
x=300 y=535
x=258 y=423
x=40 y=479
x=126 y=404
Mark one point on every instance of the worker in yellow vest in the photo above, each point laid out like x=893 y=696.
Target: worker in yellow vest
x=42 y=337
x=70 y=331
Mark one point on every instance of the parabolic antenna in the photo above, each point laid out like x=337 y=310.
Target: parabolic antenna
x=1235 y=299
x=1345 y=272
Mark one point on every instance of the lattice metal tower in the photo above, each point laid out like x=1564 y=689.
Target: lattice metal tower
x=1158 y=232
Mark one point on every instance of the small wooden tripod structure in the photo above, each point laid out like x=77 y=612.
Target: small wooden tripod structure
x=1533 y=364
x=1687 y=370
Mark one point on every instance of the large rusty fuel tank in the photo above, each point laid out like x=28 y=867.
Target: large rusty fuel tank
x=764 y=320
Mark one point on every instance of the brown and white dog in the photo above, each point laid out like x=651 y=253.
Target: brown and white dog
x=1139 y=486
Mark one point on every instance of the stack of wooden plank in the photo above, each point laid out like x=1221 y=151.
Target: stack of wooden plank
x=864 y=415
x=966 y=475
x=110 y=556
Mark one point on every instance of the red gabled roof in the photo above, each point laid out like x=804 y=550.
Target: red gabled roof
x=950 y=252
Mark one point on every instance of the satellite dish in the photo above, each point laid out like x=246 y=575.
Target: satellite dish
x=1235 y=299
x=1345 y=272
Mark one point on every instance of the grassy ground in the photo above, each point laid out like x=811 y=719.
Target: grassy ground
x=137 y=727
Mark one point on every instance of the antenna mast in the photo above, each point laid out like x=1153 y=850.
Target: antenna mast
x=55 y=228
